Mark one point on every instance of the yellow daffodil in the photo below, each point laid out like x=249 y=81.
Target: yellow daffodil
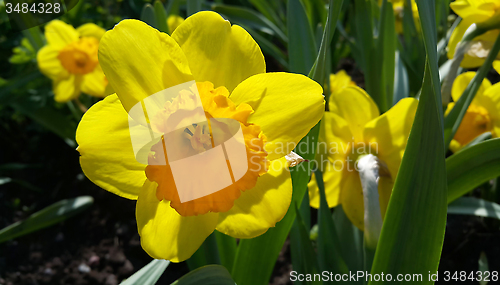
x=340 y=80
x=70 y=60
x=173 y=21
x=352 y=129
x=483 y=114
x=229 y=69
x=474 y=12
x=398 y=7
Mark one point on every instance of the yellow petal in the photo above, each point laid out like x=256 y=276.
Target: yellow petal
x=91 y=30
x=164 y=233
x=68 y=88
x=351 y=197
x=469 y=10
x=49 y=64
x=107 y=157
x=286 y=107
x=492 y=104
x=59 y=34
x=95 y=83
x=356 y=107
x=461 y=82
x=139 y=61
x=332 y=176
x=261 y=207
x=389 y=133
x=218 y=52
x=339 y=81
x=334 y=137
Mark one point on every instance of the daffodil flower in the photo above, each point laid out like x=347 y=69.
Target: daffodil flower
x=474 y=12
x=483 y=114
x=274 y=110
x=352 y=129
x=70 y=60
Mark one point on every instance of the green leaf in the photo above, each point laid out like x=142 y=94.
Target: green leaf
x=454 y=118
x=329 y=257
x=208 y=253
x=148 y=15
x=413 y=230
x=227 y=249
x=471 y=167
x=34 y=36
x=48 y=216
x=304 y=256
x=250 y=19
x=350 y=239
x=149 y=274
x=265 y=8
x=301 y=45
x=483 y=267
x=161 y=17
x=474 y=207
x=193 y=6
x=207 y=275
x=386 y=49
x=401 y=81
x=317 y=72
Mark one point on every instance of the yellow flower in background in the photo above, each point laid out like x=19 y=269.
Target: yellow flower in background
x=351 y=129
x=229 y=68
x=474 y=11
x=398 y=7
x=340 y=80
x=173 y=21
x=483 y=114
x=70 y=60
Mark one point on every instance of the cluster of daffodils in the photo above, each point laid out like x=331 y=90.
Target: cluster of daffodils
x=351 y=129
x=272 y=109
x=483 y=114
x=70 y=60
x=474 y=12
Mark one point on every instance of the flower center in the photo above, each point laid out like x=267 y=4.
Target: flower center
x=80 y=57
x=475 y=122
x=197 y=140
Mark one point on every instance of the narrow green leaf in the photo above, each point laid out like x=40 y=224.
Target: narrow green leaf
x=49 y=117
x=34 y=35
x=15 y=83
x=161 y=17
x=48 y=216
x=148 y=15
x=207 y=275
x=481 y=138
x=227 y=249
x=472 y=167
x=413 y=230
x=304 y=256
x=386 y=49
x=329 y=257
x=401 y=81
x=149 y=274
x=208 y=253
x=474 y=207
x=301 y=45
x=454 y=118
x=350 y=239
x=317 y=72
x=251 y=19
x=193 y=6
x=267 y=10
